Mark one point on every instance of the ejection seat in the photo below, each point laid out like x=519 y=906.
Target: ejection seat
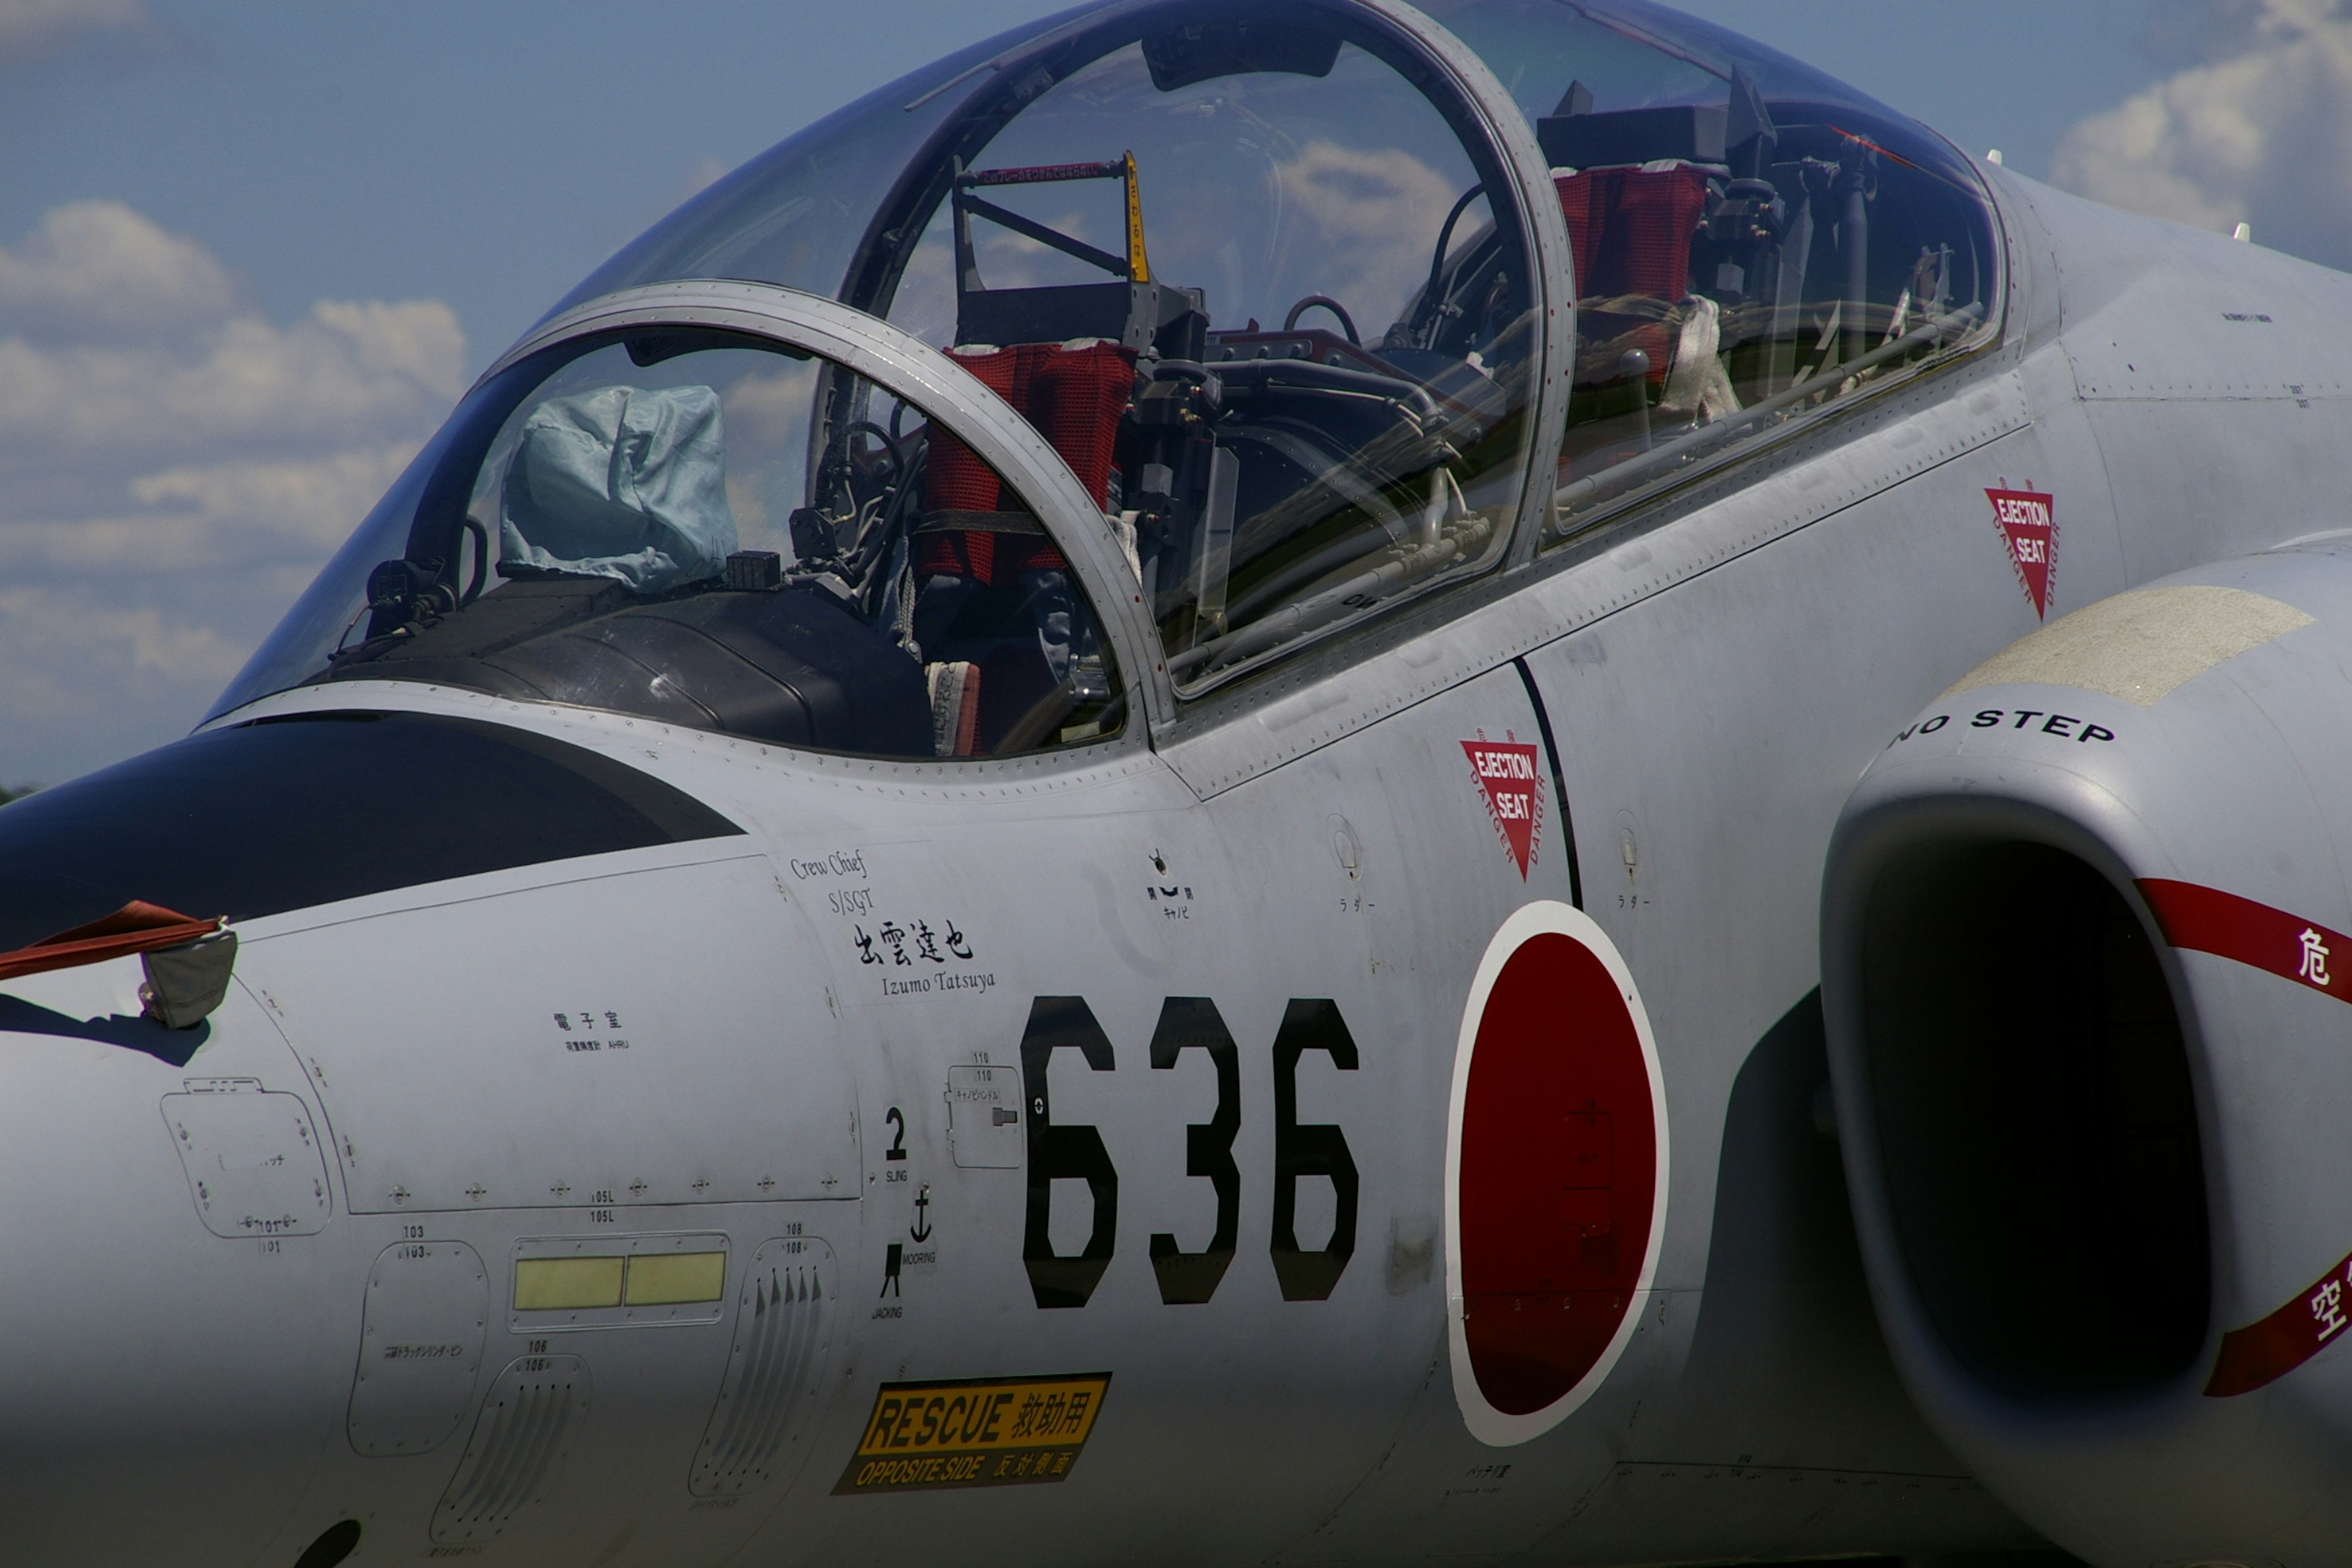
x=993 y=606
x=1638 y=187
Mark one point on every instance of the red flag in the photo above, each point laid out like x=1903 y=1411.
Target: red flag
x=136 y=927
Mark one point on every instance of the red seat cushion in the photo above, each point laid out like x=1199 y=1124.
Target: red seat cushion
x=1657 y=213
x=1075 y=401
x=1631 y=231
x=1075 y=398
x=1577 y=194
x=954 y=478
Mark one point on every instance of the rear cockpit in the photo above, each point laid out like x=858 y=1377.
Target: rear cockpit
x=1331 y=338
x=1322 y=304
x=1750 y=246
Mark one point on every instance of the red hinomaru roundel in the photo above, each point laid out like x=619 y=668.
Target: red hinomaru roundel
x=1555 y=1173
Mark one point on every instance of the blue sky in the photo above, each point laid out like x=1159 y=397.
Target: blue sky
x=490 y=154
x=249 y=252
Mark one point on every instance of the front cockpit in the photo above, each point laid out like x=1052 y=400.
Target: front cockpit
x=1325 y=305
x=718 y=531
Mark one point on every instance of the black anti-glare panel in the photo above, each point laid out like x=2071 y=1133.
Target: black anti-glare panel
x=790 y=669
x=288 y=813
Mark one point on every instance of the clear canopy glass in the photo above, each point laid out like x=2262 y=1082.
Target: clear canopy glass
x=1288 y=222
x=1255 y=271
x=1754 y=242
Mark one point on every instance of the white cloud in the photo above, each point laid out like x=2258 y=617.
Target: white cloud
x=312 y=501
x=119 y=546
x=37 y=624
x=1368 y=211
x=92 y=679
x=419 y=339
x=98 y=269
x=173 y=466
x=346 y=372
x=121 y=341
x=30 y=29
x=2252 y=127
x=701 y=177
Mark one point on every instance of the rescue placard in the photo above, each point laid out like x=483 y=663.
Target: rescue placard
x=974 y=1432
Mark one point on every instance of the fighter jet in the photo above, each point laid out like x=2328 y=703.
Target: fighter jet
x=1309 y=782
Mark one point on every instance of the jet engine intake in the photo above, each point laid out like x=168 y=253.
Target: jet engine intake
x=2091 y=1065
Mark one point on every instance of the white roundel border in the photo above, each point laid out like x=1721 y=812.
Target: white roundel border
x=1491 y=1427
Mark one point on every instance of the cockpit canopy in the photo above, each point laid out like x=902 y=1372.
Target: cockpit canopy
x=1294 y=287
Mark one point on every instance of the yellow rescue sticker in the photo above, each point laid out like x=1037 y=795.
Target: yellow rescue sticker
x=974 y=1432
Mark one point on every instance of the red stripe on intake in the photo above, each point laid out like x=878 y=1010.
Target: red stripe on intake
x=2208 y=920
x=2264 y=1352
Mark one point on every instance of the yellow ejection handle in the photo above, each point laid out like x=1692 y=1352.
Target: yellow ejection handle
x=1139 y=267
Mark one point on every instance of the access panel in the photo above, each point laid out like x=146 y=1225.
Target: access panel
x=656 y=1037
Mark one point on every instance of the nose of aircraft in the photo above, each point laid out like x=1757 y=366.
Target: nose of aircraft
x=482 y=971
x=166 y=1294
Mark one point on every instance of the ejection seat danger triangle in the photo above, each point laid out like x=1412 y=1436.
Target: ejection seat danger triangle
x=1507 y=775
x=2029 y=527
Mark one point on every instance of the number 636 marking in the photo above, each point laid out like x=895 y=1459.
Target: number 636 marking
x=1076 y=1151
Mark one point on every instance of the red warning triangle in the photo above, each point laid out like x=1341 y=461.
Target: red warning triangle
x=1507 y=772
x=2029 y=527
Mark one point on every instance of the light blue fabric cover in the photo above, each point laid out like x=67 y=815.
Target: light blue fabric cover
x=621 y=483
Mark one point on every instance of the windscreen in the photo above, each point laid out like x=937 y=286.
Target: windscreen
x=1255 y=272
